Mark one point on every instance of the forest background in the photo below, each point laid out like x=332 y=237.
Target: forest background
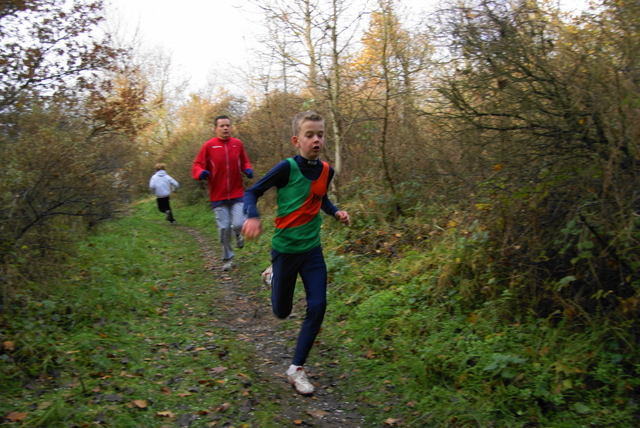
x=501 y=137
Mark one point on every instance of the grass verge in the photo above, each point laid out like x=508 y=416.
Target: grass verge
x=125 y=339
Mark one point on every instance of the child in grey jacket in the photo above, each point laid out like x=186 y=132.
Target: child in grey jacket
x=161 y=184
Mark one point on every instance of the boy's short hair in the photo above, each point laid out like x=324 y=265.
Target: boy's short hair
x=302 y=117
x=223 y=116
x=160 y=166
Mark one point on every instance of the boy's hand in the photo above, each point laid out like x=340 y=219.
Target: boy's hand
x=252 y=228
x=343 y=217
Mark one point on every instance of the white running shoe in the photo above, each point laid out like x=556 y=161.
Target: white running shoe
x=266 y=275
x=228 y=265
x=300 y=382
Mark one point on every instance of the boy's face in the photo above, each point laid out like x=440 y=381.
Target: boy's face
x=223 y=129
x=310 y=139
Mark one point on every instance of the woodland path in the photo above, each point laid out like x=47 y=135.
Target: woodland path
x=251 y=319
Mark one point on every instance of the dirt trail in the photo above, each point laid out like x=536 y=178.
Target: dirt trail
x=250 y=317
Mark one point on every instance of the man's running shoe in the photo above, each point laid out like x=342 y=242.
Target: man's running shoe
x=300 y=382
x=266 y=276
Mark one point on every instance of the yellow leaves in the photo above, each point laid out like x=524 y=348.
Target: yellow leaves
x=472 y=318
x=9 y=345
x=166 y=414
x=498 y=167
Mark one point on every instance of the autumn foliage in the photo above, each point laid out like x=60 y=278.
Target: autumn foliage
x=66 y=120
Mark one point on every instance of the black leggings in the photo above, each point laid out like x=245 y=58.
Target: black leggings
x=163 y=207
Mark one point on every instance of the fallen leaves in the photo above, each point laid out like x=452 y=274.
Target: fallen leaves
x=318 y=414
x=223 y=408
x=16 y=417
x=140 y=404
x=166 y=414
x=44 y=405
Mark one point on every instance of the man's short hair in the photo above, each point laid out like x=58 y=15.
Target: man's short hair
x=215 y=121
x=302 y=117
x=160 y=166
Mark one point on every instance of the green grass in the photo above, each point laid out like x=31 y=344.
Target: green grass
x=129 y=333
x=417 y=340
x=433 y=353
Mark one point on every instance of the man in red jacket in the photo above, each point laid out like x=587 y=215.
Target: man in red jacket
x=222 y=161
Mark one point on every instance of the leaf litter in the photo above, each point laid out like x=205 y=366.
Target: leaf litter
x=250 y=318
x=203 y=378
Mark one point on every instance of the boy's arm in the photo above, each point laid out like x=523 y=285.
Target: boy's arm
x=278 y=177
x=245 y=162
x=252 y=228
x=343 y=217
x=200 y=163
x=333 y=211
x=328 y=207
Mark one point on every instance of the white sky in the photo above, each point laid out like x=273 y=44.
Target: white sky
x=210 y=36
x=199 y=35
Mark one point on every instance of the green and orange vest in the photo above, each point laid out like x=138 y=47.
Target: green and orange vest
x=298 y=220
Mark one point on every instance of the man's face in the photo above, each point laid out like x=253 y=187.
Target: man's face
x=223 y=129
x=310 y=139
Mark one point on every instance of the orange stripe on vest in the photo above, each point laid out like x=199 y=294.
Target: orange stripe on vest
x=310 y=207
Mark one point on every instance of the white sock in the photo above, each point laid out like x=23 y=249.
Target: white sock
x=292 y=369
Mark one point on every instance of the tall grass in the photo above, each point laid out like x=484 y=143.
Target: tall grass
x=431 y=332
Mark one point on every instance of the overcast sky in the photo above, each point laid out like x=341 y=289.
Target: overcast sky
x=203 y=36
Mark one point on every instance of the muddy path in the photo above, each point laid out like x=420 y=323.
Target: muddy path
x=247 y=313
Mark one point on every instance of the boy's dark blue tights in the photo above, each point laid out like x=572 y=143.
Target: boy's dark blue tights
x=313 y=271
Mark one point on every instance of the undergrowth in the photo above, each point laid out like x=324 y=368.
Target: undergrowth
x=428 y=329
x=432 y=341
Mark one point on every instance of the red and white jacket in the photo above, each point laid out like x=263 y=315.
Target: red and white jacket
x=226 y=161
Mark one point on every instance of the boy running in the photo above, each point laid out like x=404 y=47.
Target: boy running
x=302 y=183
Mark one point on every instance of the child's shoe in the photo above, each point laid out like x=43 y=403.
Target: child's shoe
x=266 y=276
x=300 y=382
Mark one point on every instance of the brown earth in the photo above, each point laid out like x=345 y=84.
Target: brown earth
x=248 y=314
